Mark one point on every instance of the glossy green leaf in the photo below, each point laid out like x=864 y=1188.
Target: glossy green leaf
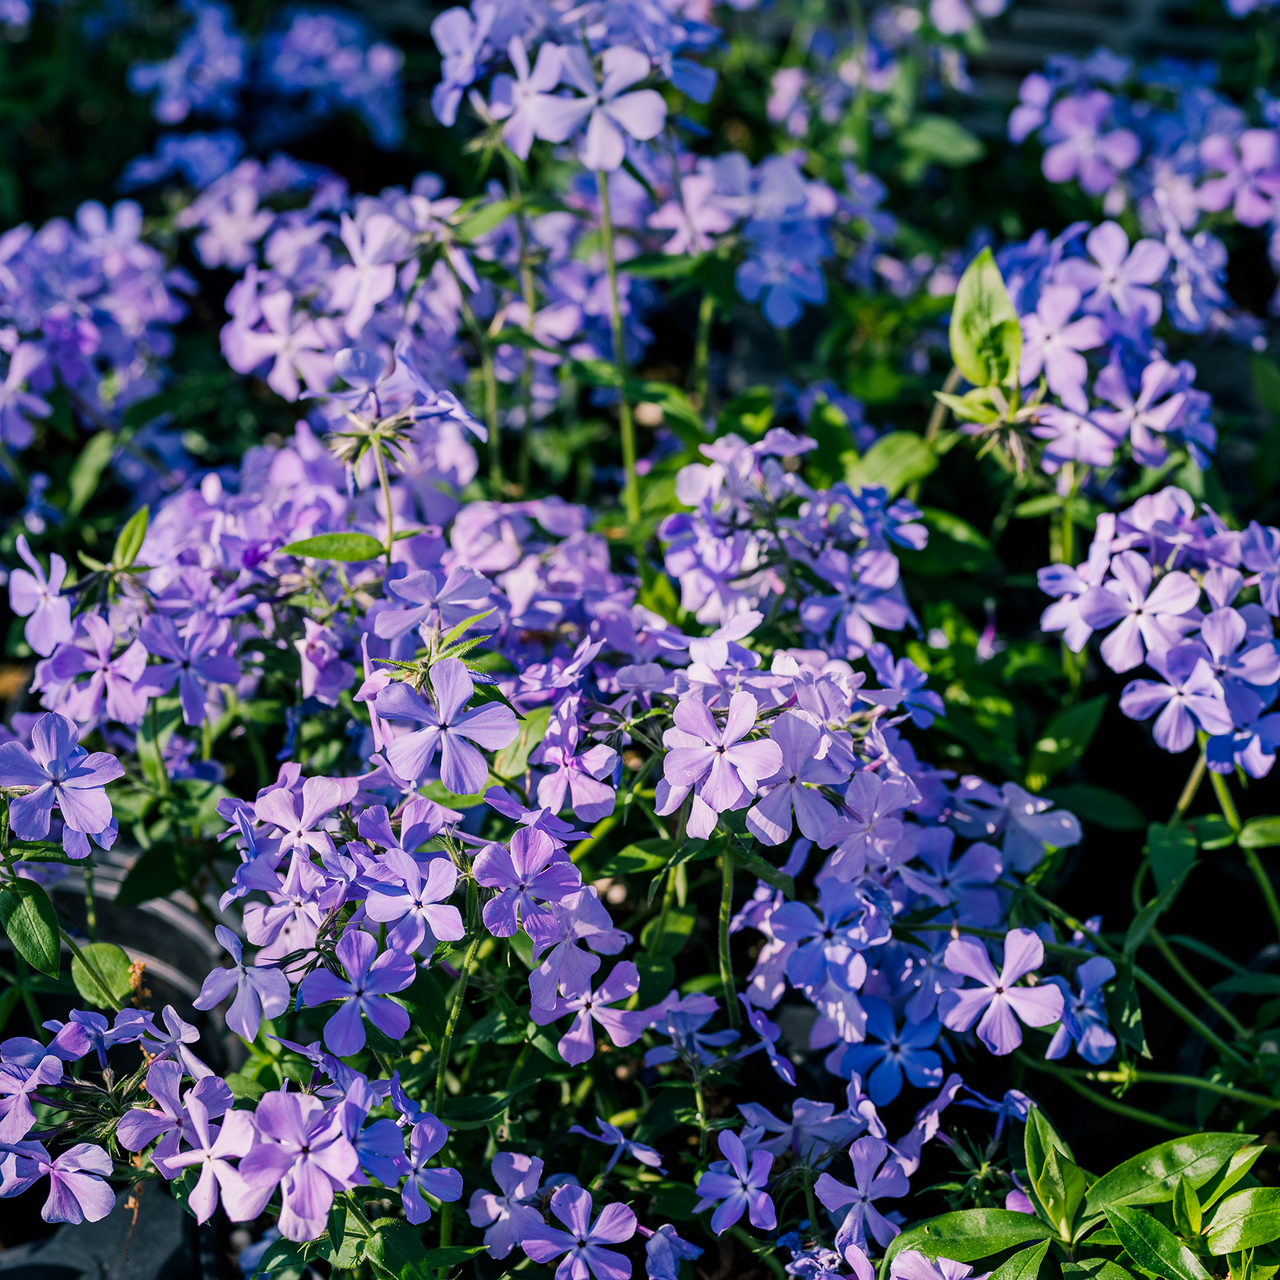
x=1024 y=1265
x=87 y=470
x=485 y=219
x=753 y=864
x=1039 y=1138
x=350 y=548
x=28 y=917
x=479 y=1109
x=1245 y=1220
x=1209 y=1193
x=1171 y=850
x=112 y=966
x=455 y=1255
x=1153 y=1246
x=986 y=338
x=1061 y=1188
x=638 y=859
x=130 y=540
x=396 y=1252
x=1152 y=1176
x=1064 y=741
x=894 y=461
x=1260 y=833
x=969 y=1234
x=1187 y=1216
x=1124 y=1009
x=512 y=761
x=677 y=929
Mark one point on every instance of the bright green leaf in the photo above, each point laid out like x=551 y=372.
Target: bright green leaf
x=87 y=470
x=1260 y=833
x=1187 y=1216
x=350 y=548
x=396 y=1252
x=986 y=339
x=130 y=540
x=512 y=761
x=1024 y=1265
x=112 y=966
x=28 y=917
x=969 y=1234
x=1064 y=741
x=894 y=461
x=1245 y=1220
x=1153 y=1246
x=1152 y=1176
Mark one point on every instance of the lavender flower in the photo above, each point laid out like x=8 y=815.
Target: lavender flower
x=261 y=991
x=737 y=1188
x=507 y=1217
x=78 y=1191
x=428 y=1136
x=581 y=1244
x=875 y=1178
x=35 y=597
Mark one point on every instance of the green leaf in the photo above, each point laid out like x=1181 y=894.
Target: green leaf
x=1094 y=1269
x=763 y=869
x=1151 y=1176
x=1038 y=1139
x=1124 y=1010
x=1024 y=1265
x=1172 y=852
x=87 y=470
x=1043 y=505
x=1061 y=1189
x=347 y=547
x=986 y=339
x=968 y=1235
x=677 y=929
x=975 y=405
x=512 y=761
x=1145 y=920
x=1265 y=471
x=1105 y=808
x=454 y=1255
x=28 y=917
x=1260 y=833
x=639 y=858
x=894 y=461
x=396 y=1253
x=1153 y=1246
x=457 y=632
x=485 y=219
x=1212 y=831
x=1064 y=741
x=660 y=266
x=933 y=139
x=281 y=1254
x=244 y=1088
x=657 y=977
x=425 y=1002
x=1245 y=1220
x=1249 y=984
x=479 y=1109
x=113 y=968
x=437 y=791
x=153 y=875
x=1187 y=1216
x=130 y=540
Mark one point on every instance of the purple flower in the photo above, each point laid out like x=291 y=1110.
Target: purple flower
x=581 y=1244
x=1084 y=1016
x=1071 y=438
x=532 y=870
x=800 y=741
x=610 y=111
x=194 y=661
x=623 y=1028
x=882 y=1065
x=695 y=218
x=1148 y=414
x=292 y=343
x=303 y=1150
x=1260 y=553
x=463 y=769
x=665 y=1251
x=903 y=683
x=35 y=597
x=324 y=674
x=1190 y=696
x=519 y=101
x=407 y=896
x=173 y=1041
x=870 y=834
x=997 y=1001
x=78 y=1191
x=728 y=769
x=1079 y=147
x=1155 y=618
x=682 y=1019
x=212 y=1146
x=169 y=1120
x=1052 y=341
x=871 y=1183
x=507 y=1216
x=26 y=1067
x=60 y=772
x=112 y=682
x=1117 y=278
x=464 y=594
x=297 y=817
x=576 y=777
x=428 y=1136
x=830 y=947
x=785 y=268
x=261 y=990
x=370 y=979
x=613 y=1137
x=965 y=884
x=769 y=1036
x=911 y=1264
x=814 y=1128
x=738 y=1188
x=1251 y=175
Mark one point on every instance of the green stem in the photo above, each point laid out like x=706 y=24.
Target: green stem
x=490 y=380
x=701 y=1103
x=1134 y=1076
x=1101 y=1100
x=631 y=486
x=702 y=353
x=446 y=1044
x=91 y=969
x=811 y=1206
x=1189 y=791
x=90 y=907
x=1232 y=815
x=530 y=298
x=1202 y=993
x=381 y=463
x=1167 y=998
x=726 y=914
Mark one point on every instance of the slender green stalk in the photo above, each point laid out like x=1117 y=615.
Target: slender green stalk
x=1202 y=992
x=91 y=969
x=381 y=463
x=1101 y=1100
x=631 y=486
x=529 y=296
x=1232 y=815
x=1167 y=998
x=473 y=922
x=939 y=414
x=726 y=914
x=701 y=1103
x=1134 y=1076
x=90 y=906
x=1189 y=791
x=811 y=1206
x=702 y=353
x=490 y=380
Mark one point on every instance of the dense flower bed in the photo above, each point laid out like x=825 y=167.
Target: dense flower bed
x=564 y=732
